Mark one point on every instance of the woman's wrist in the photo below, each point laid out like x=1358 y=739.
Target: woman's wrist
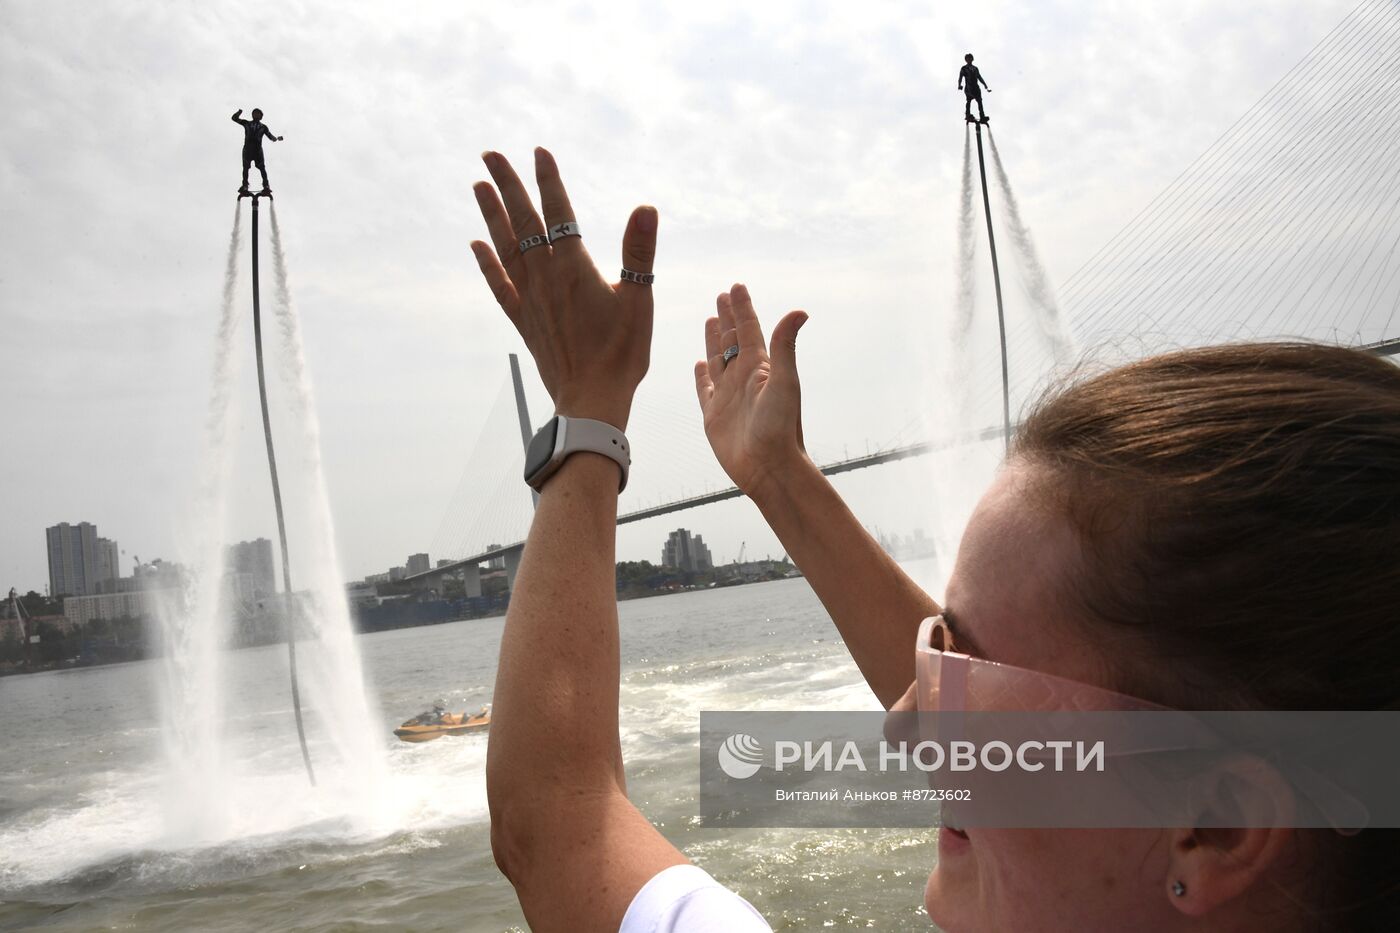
x=777 y=475
x=586 y=472
x=612 y=408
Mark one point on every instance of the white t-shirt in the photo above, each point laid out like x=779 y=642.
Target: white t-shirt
x=685 y=899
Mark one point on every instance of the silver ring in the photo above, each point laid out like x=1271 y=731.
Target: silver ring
x=641 y=278
x=530 y=242
x=567 y=228
x=730 y=353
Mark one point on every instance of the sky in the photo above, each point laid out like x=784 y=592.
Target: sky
x=810 y=150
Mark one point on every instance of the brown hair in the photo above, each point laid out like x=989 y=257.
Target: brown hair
x=1240 y=511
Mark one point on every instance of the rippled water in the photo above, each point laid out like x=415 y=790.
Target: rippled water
x=86 y=843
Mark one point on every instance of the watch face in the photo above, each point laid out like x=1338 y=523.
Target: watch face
x=541 y=448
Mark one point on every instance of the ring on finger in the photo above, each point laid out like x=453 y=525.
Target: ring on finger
x=567 y=228
x=530 y=242
x=730 y=353
x=641 y=278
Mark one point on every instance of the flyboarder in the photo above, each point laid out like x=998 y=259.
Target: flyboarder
x=968 y=79
x=253 y=133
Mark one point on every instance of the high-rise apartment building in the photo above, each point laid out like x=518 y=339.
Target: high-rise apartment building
x=684 y=551
x=255 y=559
x=79 y=561
x=417 y=563
x=109 y=560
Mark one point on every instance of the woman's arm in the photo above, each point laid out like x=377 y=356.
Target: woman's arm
x=752 y=407
x=562 y=828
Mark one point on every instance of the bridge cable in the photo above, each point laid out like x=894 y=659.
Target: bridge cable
x=1208 y=197
x=1242 y=134
x=1242 y=231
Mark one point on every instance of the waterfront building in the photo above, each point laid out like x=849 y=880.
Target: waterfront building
x=417 y=563
x=109 y=562
x=158 y=575
x=137 y=604
x=78 y=559
x=255 y=559
x=684 y=551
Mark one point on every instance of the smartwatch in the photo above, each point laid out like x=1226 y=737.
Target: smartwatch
x=562 y=436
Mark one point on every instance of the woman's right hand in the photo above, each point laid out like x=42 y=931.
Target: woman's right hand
x=752 y=404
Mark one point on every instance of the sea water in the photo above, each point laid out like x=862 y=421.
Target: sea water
x=83 y=844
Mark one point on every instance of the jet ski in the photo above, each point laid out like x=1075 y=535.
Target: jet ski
x=437 y=722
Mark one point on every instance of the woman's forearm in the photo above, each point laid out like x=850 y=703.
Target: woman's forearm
x=874 y=603
x=554 y=719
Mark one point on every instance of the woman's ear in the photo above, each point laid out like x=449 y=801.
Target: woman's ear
x=1244 y=825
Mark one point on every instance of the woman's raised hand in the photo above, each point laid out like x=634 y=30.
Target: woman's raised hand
x=591 y=339
x=752 y=402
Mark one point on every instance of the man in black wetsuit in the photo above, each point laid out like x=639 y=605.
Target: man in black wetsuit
x=968 y=79
x=253 y=133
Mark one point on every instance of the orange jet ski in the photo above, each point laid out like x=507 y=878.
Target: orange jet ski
x=437 y=722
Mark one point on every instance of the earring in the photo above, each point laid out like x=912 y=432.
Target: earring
x=1178 y=888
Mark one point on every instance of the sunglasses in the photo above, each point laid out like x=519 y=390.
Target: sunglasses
x=950 y=681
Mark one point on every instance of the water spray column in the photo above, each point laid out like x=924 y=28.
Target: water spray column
x=277 y=501
x=996 y=280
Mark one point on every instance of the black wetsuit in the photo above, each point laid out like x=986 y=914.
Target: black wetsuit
x=970 y=79
x=253 y=133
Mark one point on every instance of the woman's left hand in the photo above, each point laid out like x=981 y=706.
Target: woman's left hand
x=590 y=338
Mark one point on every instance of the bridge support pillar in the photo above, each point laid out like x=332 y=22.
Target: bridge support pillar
x=471 y=580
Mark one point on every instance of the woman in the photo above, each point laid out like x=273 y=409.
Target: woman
x=1209 y=529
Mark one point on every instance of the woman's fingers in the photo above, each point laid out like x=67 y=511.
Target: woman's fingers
x=639 y=245
x=501 y=286
x=554 y=201
x=724 y=305
x=713 y=350
x=747 y=329
x=502 y=235
x=783 y=350
x=524 y=221
x=704 y=385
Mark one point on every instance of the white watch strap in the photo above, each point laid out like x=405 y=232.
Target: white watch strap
x=597 y=437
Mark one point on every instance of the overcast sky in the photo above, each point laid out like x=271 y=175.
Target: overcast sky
x=811 y=150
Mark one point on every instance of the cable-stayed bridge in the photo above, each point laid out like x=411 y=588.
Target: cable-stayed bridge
x=1286 y=226
x=468 y=568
